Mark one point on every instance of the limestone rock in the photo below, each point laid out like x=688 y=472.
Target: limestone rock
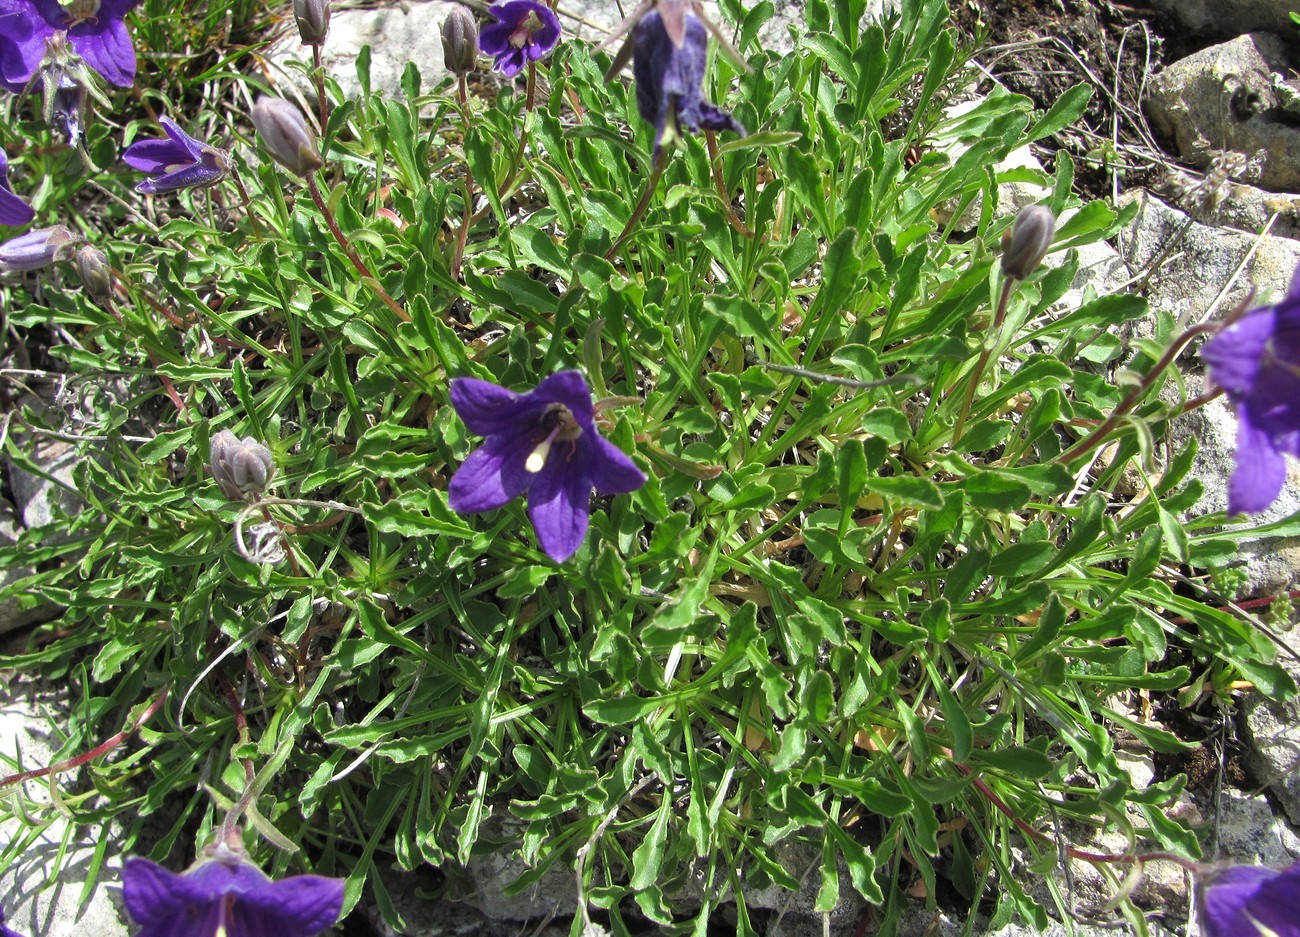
x=1273 y=730
x=1235 y=96
x=1226 y=18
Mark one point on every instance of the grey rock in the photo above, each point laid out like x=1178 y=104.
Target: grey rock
x=1226 y=98
x=1226 y=18
x=1273 y=730
x=1194 y=261
x=36 y=906
x=42 y=496
x=1250 y=833
x=408 y=32
x=422 y=917
x=794 y=915
x=1246 y=208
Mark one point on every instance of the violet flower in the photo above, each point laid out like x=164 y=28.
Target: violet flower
x=1256 y=359
x=225 y=895
x=524 y=32
x=37 y=248
x=544 y=443
x=5 y=931
x=1249 y=901
x=668 y=79
x=94 y=29
x=13 y=210
x=177 y=161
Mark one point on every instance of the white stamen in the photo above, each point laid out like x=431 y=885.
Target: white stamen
x=536 y=460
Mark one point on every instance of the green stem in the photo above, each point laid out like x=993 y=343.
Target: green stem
x=350 y=251
x=1098 y=436
x=985 y=353
x=656 y=170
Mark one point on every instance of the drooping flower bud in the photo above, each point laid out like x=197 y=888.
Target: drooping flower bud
x=96 y=272
x=241 y=467
x=38 y=248
x=313 y=18
x=459 y=41
x=286 y=136
x=1025 y=243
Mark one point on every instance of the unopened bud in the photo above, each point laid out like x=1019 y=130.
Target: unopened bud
x=36 y=249
x=96 y=273
x=1025 y=243
x=286 y=136
x=313 y=18
x=459 y=41
x=241 y=467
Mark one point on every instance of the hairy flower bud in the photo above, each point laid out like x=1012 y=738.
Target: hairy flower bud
x=36 y=249
x=96 y=272
x=241 y=467
x=459 y=41
x=286 y=136
x=313 y=18
x=1025 y=243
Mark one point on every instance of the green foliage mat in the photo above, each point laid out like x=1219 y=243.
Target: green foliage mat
x=829 y=618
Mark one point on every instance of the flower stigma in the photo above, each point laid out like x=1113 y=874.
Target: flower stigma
x=523 y=33
x=558 y=420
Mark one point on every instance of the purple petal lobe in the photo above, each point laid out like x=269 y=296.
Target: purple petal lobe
x=559 y=502
x=483 y=406
x=493 y=474
x=613 y=473
x=107 y=49
x=1260 y=471
x=569 y=388
x=1234 y=353
x=301 y=906
x=1276 y=904
x=154 y=156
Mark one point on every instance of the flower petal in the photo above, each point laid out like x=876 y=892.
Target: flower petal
x=559 y=502
x=494 y=39
x=300 y=906
x=1233 y=355
x=173 y=130
x=1260 y=471
x=22 y=45
x=483 y=406
x=1277 y=903
x=493 y=474
x=13 y=210
x=1225 y=898
x=153 y=894
x=155 y=156
x=571 y=389
x=193 y=176
x=106 y=47
x=612 y=471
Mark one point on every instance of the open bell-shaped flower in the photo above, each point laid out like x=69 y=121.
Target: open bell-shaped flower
x=177 y=161
x=543 y=443
x=225 y=895
x=524 y=31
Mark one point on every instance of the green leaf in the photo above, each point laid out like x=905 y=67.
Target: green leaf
x=909 y=490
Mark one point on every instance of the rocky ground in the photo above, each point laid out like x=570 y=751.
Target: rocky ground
x=1196 y=118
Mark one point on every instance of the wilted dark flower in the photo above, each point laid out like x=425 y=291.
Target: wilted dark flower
x=241 y=467
x=14 y=212
x=459 y=41
x=95 y=271
x=176 y=162
x=1025 y=243
x=1249 y=901
x=313 y=18
x=225 y=895
x=5 y=931
x=38 y=248
x=669 y=78
x=1256 y=359
x=94 y=30
x=286 y=136
x=524 y=31
x=544 y=443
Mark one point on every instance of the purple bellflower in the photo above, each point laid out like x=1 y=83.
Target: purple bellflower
x=225 y=895
x=524 y=32
x=177 y=161
x=668 y=79
x=1256 y=359
x=37 y=248
x=1249 y=901
x=544 y=443
x=13 y=210
x=5 y=931
x=94 y=30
